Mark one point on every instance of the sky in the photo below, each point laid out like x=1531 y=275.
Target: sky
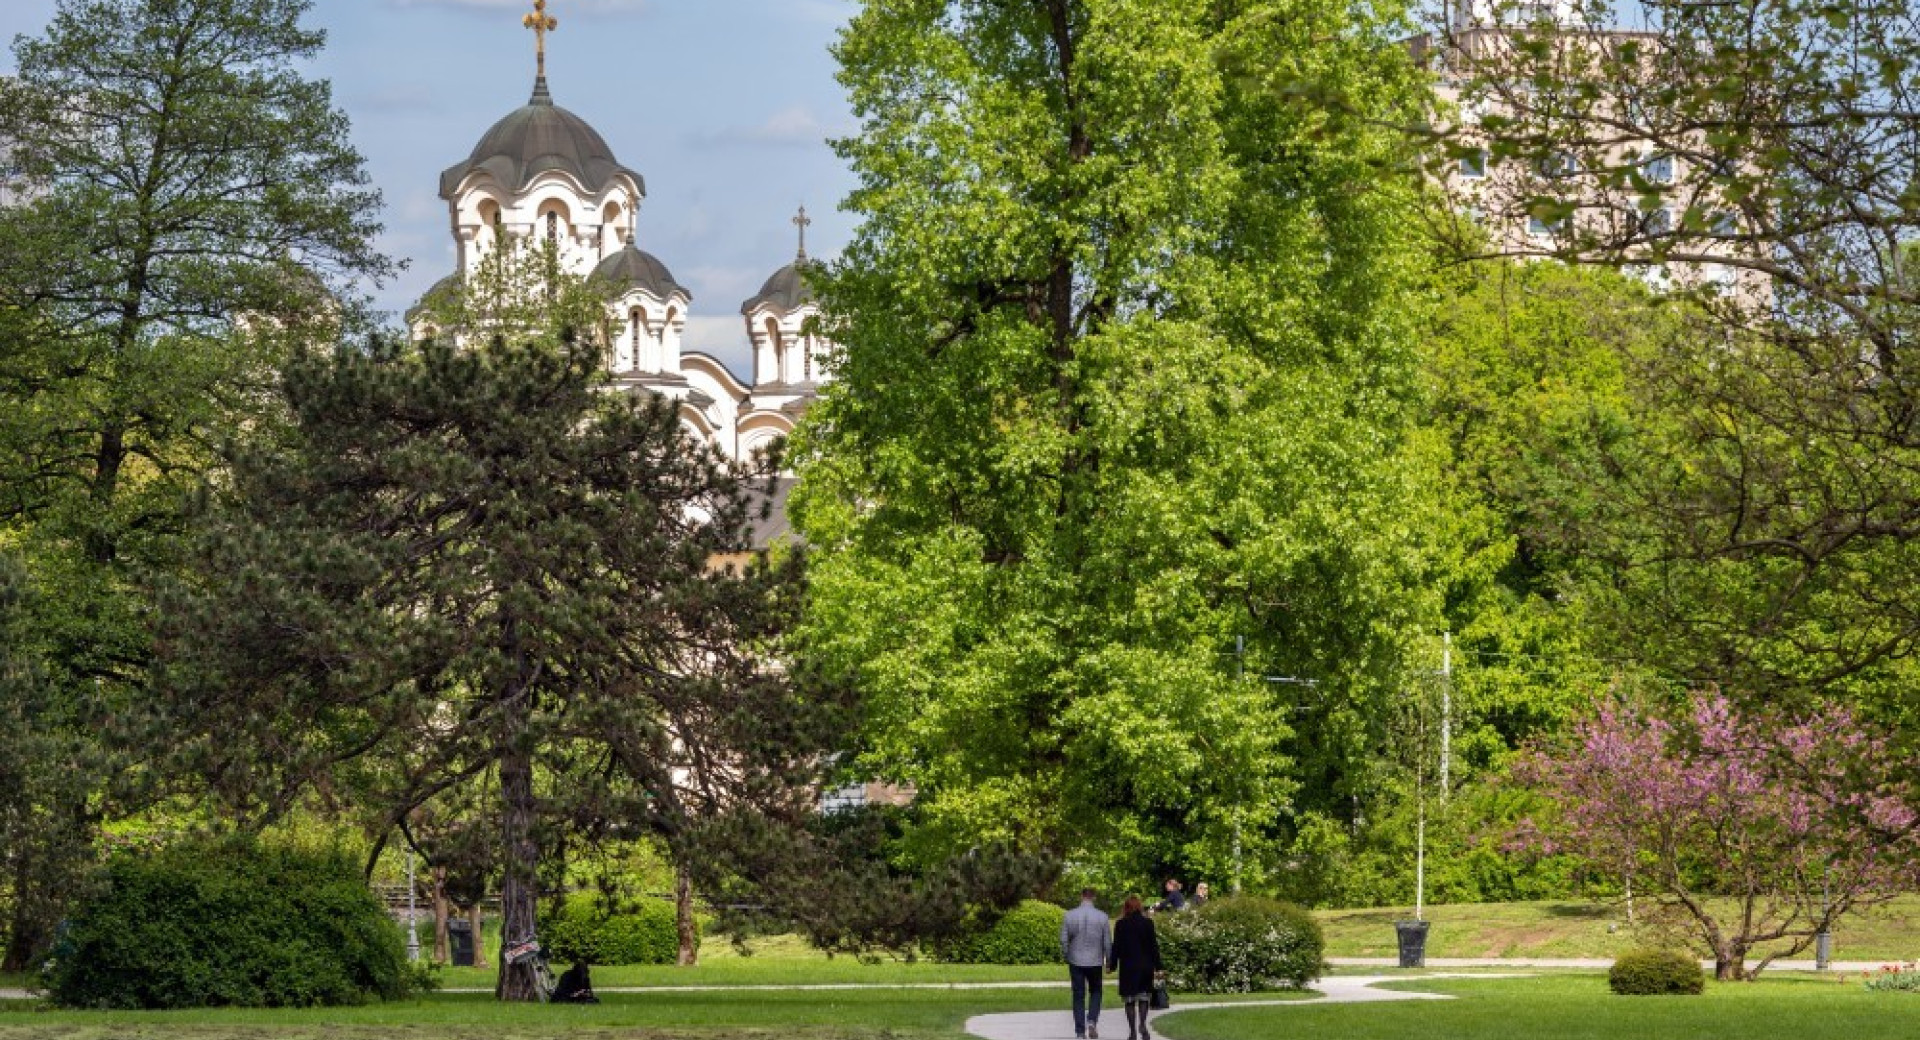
x=724 y=106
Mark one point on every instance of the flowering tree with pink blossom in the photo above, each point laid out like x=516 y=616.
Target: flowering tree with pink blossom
x=1761 y=828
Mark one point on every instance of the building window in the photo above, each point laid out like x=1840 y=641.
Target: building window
x=1537 y=225
x=1473 y=165
x=1556 y=166
x=1658 y=170
x=1725 y=224
x=1657 y=222
x=553 y=228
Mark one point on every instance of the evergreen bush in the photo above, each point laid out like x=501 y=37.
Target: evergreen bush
x=1027 y=934
x=1240 y=944
x=229 y=923
x=1656 y=972
x=645 y=931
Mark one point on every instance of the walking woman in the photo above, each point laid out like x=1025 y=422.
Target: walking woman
x=1136 y=955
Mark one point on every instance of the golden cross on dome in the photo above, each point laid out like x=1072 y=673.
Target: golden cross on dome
x=541 y=23
x=803 y=222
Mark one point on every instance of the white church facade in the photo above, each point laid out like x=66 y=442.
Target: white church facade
x=542 y=173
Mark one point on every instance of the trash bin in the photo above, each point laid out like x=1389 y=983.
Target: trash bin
x=1413 y=943
x=460 y=937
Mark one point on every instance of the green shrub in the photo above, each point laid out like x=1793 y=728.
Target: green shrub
x=645 y=931
x=1027 y=934
x=228 y=923
x=1240 y=944
x=1656 y=972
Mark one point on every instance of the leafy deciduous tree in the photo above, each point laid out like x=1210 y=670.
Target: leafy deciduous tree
x=1126 y=373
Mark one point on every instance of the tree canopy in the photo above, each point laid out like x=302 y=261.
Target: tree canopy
x=1126 y=375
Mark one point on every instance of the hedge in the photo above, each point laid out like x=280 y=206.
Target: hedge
x=588 y=929
x=229 y=923
x=1240 y=944
x=1656 y=973
x=1027 y=934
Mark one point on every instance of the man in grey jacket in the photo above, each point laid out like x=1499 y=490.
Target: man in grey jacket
x=1085 y=940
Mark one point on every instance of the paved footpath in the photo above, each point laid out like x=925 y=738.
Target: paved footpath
x=1334 y=989
x=1597 y=963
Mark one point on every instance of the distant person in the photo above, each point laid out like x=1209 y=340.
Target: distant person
x=1175 y=900
x=1136 y=956
x=575 y=986
x=1084 y=945
x=1200 y=896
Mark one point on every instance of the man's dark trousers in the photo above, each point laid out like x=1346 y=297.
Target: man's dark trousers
x=1085 y=979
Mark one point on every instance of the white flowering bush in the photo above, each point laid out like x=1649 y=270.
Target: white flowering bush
x=1240 y=945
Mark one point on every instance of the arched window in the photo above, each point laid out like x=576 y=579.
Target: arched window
x=639 y=320
x=806 y=360
x=553 y=228
x=779 y=347
x=489 y=213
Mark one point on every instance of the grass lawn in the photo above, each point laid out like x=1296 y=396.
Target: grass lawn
x=1579 y=1007
x=842 y=1015
x=1570 y=929
x=858 y=1015
x=779 y=961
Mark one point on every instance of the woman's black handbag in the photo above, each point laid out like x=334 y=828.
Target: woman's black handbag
x=1161 y=1001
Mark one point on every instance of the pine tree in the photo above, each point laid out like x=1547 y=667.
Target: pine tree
x=476 y=562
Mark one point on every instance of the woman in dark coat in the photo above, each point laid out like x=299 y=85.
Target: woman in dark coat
x=1136 y=955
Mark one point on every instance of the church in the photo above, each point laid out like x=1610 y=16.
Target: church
x=543 y=172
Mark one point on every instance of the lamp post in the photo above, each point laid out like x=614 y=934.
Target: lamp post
x=413 y=930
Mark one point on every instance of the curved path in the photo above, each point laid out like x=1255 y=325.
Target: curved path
x=1055 y=1025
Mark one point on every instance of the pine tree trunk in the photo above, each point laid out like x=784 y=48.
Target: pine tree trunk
x=518 y=884
x=441 y=946
x=683 y=917
x=518 y=889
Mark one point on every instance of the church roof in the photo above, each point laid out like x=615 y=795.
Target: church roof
x=633 y=268
x=540 y=137
x=764 y=531
x=787 y=291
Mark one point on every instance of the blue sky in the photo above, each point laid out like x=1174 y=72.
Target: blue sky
x=723 y=105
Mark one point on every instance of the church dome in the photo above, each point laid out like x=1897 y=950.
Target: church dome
x=537 y=138
x=632 y=268
x=787 y=291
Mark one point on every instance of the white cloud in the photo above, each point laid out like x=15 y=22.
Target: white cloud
x=727 y=285
x=793 y=126
x=724 y=338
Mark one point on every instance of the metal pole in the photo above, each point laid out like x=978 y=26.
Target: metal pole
x=1823 y=940
x=1420 y=864
x=413 y=931
x=1446 y=714
x=1240 y=659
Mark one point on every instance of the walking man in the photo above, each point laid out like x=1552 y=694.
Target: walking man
x=1085 y=941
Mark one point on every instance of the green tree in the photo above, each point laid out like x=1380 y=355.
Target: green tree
x=1126 y=373
x=185 y=183
x=464 y=563
x=1762 y=532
